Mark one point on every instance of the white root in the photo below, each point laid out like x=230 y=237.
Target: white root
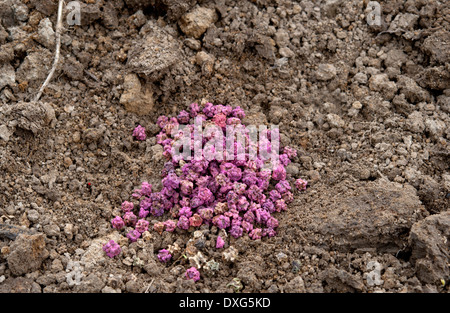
x=58 y=46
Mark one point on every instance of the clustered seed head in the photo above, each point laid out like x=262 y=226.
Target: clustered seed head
x=238 y=195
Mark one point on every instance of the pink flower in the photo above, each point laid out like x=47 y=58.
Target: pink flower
x=192 y=273
x=280 y=205
x=221 y=221
x=133 y=235
x=209 y=109
x=284 y=159
x=195 y=220
x=238 y=113
x=129 y=218
x=242 y=204
x=117 y=223
x=233 y=121
x=279 y=173
x=127 y=206
x=170 y=225
x=236 y=231
x=261 y=216
x=112 y=249
x=185 y=211
x=269 y=232
x=301 y=184
x=256 y=233
x=164 y=256
x=205 y=194
x=186 y=187
x=288 y=197
x=146 y=190
x=139 y=133
x=274 y=195
x=219 y=243
x=183 y=117
x=239 y=188
x=183 y=222
x=220 y=120
x=142 y=225
x=291 y=153
x=206 y=213
x=162 y=121
x=272 y=222
x=246 y=226
x=235 y=195
x=143 y=213
x=194 y=109
x=282 y=186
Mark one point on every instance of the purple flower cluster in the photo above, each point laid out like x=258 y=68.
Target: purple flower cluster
x=220 y=242
x=139 y=133
x=301 y=184
x=238 y=195
x=164 y=256
x=112 y=248
x=192 y=273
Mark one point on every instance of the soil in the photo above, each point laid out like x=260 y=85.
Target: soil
x=366 y=106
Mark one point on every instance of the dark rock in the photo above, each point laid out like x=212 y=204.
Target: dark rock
x=139 y=4
x=174 y=9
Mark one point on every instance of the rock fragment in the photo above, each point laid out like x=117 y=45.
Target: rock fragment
x=32 y=116
x=381 y=83
x=430 y=241
x=35 y=67
x=153 y=55
x=196 y=22
x=8 y=76
x=136 y=98
x=325 y=72
x=27 y=253
x=375 y=215
x=46 y=34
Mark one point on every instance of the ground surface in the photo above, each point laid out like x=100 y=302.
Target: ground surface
x=367 y=108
